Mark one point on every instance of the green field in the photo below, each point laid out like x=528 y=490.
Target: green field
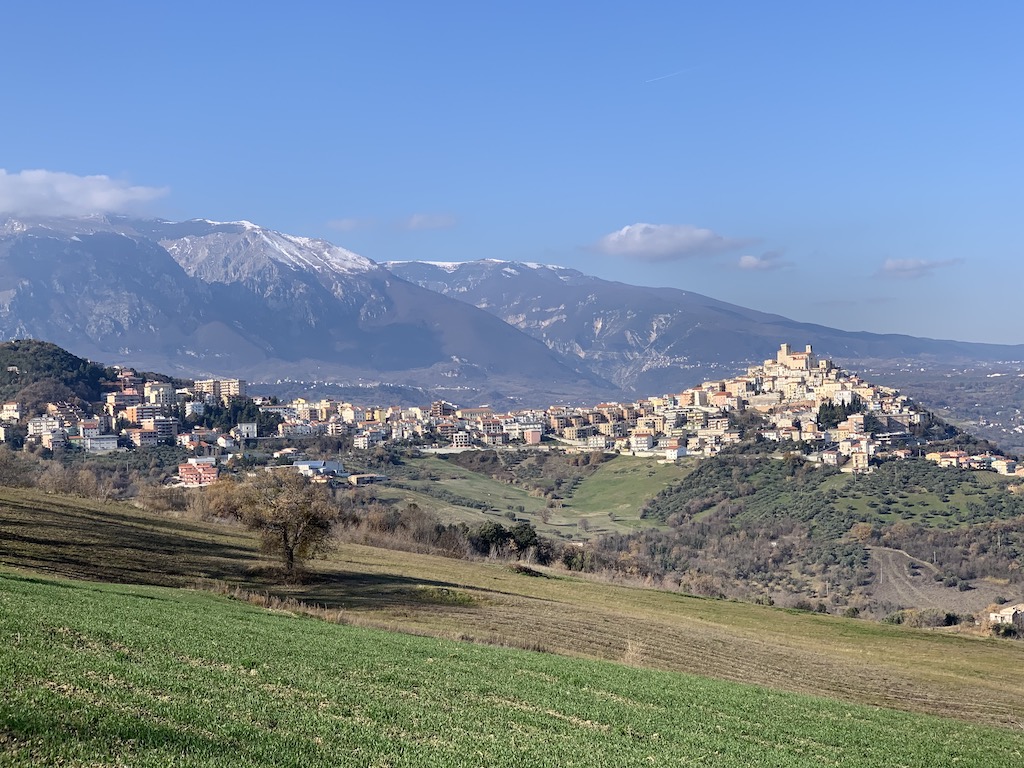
x=932 y=672
x=440 y=474
x=114 y=675
x=609 y=500
x=620 y=487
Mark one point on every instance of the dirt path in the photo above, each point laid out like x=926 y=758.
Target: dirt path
x=910 y=583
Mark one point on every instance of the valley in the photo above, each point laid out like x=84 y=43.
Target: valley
x=538 y=583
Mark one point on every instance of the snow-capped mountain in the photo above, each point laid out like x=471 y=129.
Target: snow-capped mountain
x=235 y=298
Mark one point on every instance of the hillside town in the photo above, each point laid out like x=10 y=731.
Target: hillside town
x=836 y=417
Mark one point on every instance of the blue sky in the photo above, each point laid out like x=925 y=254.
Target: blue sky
x=857 y=165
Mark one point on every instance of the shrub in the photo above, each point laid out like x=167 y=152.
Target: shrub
x=1005 y=630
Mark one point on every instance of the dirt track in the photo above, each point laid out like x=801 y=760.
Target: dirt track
x=909 y=583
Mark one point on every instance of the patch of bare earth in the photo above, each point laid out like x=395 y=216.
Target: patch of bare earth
x=907 y=582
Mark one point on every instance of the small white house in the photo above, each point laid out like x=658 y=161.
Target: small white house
x=1011 y=614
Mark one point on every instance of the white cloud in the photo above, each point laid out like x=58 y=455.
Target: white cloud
x=766 y=261
x=421 y=221
x=52 y=193
x=665 y=242
x=913 y=268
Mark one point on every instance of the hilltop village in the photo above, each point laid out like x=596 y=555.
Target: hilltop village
x=796 y=398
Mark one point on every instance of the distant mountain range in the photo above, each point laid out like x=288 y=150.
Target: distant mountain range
x=647 y=339
x=203 y=297
x=237 y=299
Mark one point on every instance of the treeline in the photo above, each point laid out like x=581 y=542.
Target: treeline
x=109 y=476
x=357 y=515
x=831 y=414
x=238 y=410
x=724 y=554
x=408 y=527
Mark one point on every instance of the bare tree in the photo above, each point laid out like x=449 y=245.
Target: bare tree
x=292 y=516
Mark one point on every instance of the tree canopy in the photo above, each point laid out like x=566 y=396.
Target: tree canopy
x=292 y=516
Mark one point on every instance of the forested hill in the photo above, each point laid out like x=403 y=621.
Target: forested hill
x=40 y=371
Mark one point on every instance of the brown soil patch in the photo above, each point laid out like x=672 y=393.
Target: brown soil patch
x=907 y=582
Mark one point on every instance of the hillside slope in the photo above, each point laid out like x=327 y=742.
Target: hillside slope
x=152 y=677
x=652 y=340
x=850 y=660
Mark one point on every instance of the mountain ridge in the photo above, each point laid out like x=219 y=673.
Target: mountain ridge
x=640 y=336
x=238 y=299
x=208 y=297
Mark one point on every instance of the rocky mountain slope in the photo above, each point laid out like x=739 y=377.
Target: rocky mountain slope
x=657 y=339
x=235 y=298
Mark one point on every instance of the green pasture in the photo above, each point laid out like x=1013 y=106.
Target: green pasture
x=609 y=500
x=489 y=602
x=112 y=675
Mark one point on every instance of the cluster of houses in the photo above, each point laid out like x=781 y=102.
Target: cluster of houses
x=787 y=392
x=135 y=412
x=1001 y=464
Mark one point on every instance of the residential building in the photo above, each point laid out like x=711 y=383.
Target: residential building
x=56 y=439
x=118 y=401
x=195 y=473
x=99 y=443
x=136 y=414
x=165 y=427
x=311 y=468
x=40 y=425
x=1011 y=614
x=532 y=436
x=143 y=438
x=222 y=389
x=160 y=394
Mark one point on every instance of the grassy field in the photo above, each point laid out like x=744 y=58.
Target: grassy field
x=488 y=602
x=438 y=474
x=114 y=675
x=609 y=499
x=612 y=497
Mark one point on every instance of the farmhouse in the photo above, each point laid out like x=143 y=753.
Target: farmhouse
x=1011 y=614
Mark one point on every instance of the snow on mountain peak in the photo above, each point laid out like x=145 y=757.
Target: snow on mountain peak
x=315 y=254
x=240 y=223
x=304 y=254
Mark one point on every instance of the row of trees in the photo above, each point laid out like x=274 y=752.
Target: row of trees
x=296 y=519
